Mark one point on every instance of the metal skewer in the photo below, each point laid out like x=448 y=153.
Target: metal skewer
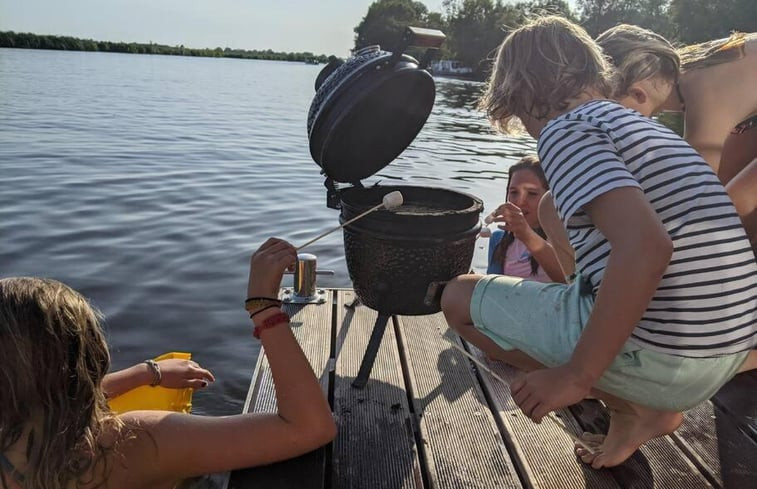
x=494 y=374
x=390 y=201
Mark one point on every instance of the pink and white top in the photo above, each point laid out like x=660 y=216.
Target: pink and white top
x=518 y=263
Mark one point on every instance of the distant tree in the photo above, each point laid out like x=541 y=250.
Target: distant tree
x=386 y=21
x=7 y=39
x=547 y=7
x=599 y=15
x=474 y=28
x=477 y=27
x=704 y=20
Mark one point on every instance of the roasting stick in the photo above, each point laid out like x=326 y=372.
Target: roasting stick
x=493 y=374
x=390 y=201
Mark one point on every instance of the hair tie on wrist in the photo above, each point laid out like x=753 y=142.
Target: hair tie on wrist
x=253 y=313
x=157 y=376
x=275 y=320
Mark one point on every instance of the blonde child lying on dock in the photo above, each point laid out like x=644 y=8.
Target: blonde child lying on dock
x=56 y=430
x=663 y=310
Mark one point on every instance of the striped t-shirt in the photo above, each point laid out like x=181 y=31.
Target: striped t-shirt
x=706 y=303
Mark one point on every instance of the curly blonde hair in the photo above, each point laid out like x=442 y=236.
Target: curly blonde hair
x=638 y=54
x=539 y=68
x=53 y=357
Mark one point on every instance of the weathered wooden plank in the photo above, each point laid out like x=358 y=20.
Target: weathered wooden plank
x=716 y=445
x=658 y=463
x=375 y=445
x=461 y=445
x=543 y=452
x=312 y=326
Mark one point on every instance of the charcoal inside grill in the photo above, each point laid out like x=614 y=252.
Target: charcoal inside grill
x=412 y=208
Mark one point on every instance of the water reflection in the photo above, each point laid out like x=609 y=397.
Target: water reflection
x=145 y=182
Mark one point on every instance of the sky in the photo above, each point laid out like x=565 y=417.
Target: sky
x=318 y=26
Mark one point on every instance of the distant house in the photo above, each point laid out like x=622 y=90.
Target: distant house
x=449 y=67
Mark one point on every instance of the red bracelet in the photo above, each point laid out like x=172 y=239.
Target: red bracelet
x=276 y=319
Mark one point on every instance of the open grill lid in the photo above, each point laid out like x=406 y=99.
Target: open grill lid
x=369 y=109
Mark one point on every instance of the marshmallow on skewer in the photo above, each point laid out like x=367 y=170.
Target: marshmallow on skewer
x=392 y=200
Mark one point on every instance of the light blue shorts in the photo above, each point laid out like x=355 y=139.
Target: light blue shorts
x=545 y=321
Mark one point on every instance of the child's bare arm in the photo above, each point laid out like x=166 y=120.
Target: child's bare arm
x=176 y=373
x=641 y=251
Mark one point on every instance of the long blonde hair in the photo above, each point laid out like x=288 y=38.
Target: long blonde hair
x=715 y=52
x=638 y=54
x=539 y=68
x=53 y=357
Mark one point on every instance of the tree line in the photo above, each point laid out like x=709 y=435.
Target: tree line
x=475 y=28
x=25 y=40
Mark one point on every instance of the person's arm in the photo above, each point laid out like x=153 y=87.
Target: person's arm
x=178 y=446
x=176 y=373
x=539 y=248
x=494 y=267
x=557 y=236
x=742 y=190
x=640 y=254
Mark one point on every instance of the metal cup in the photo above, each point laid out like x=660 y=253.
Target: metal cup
x=304 y=275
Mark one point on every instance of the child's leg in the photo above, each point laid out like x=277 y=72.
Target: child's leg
x=456 y=301
x=631 y=425
x=750 y=363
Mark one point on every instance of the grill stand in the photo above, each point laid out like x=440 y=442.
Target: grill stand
x=433 y=293
x=370 y=352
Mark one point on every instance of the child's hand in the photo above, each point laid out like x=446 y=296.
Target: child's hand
x=543 y=391
x=515 y=221
x=267 y=267
x=177 y=373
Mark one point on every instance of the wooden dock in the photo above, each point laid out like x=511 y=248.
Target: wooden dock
x=428 y=418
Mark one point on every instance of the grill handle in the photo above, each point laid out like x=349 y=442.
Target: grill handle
x=434 y=292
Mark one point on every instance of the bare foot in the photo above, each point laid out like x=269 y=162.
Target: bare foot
x=628 y=430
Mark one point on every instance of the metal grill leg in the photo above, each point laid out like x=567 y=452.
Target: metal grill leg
x=370 y=352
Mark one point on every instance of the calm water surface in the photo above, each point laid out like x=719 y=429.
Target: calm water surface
x=146 y=181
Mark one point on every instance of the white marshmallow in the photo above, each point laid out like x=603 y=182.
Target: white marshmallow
x=392 y=199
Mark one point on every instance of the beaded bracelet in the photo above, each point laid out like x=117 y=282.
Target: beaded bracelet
x=270 y=322
x=157 y=376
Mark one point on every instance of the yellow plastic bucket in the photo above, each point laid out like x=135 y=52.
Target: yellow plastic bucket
x=155 y=398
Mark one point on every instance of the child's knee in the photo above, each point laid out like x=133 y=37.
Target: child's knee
x=456 y=299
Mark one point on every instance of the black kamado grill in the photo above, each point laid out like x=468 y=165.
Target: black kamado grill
x=366 y=111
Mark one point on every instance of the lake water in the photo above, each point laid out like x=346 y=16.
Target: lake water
x=145 y=182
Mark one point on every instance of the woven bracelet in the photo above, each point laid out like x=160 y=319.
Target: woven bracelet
x=157 y=376
x=254 y=303
x=275 y=320
x=249 y=299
